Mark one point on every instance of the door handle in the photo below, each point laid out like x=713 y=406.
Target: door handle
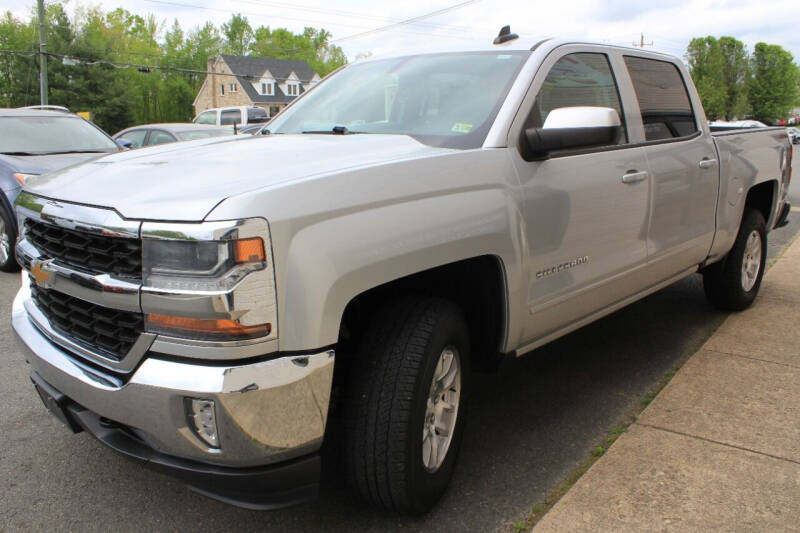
x=634 y=176
x=707 y=163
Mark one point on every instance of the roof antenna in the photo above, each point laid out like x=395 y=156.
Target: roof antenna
x=505 y=35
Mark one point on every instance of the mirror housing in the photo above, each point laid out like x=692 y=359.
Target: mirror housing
x=569 y=128
x=125 y=144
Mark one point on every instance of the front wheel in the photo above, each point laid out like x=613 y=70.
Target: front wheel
x=406 y=412
x=8 y=238
x=732 y=284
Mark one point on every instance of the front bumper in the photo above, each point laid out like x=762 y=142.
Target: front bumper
x=270 y=487
x=267 y=411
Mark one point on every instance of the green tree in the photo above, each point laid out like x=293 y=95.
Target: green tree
x=773 y=89
x=313 y=46
x=736 y=73
x=706 y=65
x=720 y=71
x=100 y=61
x=238 y=35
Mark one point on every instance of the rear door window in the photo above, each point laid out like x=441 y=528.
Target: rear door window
x=230 y=116
x=160 y=137
x=663 y=99
x=256 y=114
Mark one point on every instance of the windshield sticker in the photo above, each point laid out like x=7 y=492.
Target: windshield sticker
x=460 y=127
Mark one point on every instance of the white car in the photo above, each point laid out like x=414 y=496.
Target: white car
x=228 y=116
x=737 y=124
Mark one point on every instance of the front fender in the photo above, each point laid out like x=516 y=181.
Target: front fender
x=330 y=263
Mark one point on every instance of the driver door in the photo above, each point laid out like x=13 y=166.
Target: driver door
x=585 y=209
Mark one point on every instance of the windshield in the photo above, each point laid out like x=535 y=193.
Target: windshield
x=202 y=134
x=445 y=100
x=207 y=117
x=39 y=135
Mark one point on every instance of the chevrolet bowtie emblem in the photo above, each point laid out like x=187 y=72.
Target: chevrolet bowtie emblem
x=40 y=275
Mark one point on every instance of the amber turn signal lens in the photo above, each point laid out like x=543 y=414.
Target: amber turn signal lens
x=207 y=328
x=249 y=250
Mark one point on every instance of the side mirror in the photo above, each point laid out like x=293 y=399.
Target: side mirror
x=569 y=128
x=125 y=144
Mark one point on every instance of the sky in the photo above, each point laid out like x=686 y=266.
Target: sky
x=668 y=25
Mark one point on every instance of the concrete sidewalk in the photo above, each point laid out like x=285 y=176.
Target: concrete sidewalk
x=719 y=447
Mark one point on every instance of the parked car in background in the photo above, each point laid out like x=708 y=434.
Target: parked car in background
x=228 y=116
x=794 y=135
x=60 y=108
x=155 y=134
x=723 y=124
x=33 y=142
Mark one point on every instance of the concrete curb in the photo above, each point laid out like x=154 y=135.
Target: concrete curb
x=719 y=447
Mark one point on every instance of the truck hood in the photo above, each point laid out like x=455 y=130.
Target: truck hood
x=185 y=181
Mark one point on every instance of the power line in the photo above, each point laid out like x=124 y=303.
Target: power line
x=350 y=14
x=407 y=21
x=141 y=67
x=305 y=21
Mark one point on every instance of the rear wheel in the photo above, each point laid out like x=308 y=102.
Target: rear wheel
x=406 y=408
x=732 y=284
x=8 y=238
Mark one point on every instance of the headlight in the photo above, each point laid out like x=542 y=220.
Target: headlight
x=212 y=281
x=22 y=178
x=200 y=265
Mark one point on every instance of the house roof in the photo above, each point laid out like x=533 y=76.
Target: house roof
x=249 y=69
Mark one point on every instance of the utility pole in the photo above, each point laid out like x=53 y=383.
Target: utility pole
x=42 y=54
x=641 y=43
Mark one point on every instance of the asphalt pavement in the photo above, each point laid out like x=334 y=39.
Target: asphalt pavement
x=529 y=426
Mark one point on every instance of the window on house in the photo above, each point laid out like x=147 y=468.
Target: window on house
x=234 y=88
x=266 y=88
x=291 y=89
x=222 y=89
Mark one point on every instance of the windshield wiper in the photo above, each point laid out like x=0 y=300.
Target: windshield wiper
x=76 y=152
x=20 y=153
x=336 y=130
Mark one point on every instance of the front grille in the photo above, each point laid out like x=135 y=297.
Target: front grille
x=96 y=253
x=101 y=329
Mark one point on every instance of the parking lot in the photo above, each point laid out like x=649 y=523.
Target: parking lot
x=529 y=426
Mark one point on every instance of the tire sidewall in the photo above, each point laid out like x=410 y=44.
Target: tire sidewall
x=10 y=265
x=753 y=221
x=426 y=488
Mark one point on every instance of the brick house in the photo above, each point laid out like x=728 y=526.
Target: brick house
x=253 y=81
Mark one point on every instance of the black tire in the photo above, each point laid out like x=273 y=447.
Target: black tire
x=8 y=234
x=722 y=281
x=390 y=383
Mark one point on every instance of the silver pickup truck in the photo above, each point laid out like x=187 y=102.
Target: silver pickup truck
x=217 y=309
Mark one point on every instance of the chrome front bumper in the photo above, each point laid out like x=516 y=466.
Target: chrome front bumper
x=267 y=411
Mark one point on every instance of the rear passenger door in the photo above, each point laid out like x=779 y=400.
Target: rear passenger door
x=683 y=168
